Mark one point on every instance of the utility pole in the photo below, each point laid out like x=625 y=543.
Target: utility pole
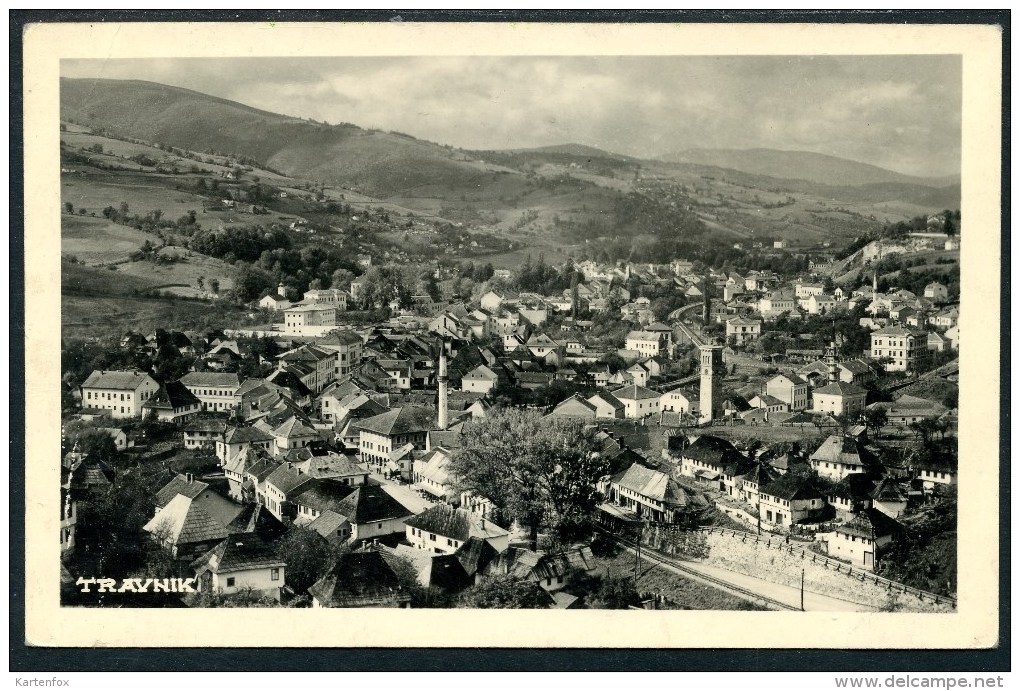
x=637 y=555
x=802 y=590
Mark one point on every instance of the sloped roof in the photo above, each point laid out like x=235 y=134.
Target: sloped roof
x=286 y=479
x=853 y=486
x=206 y=426
x=246 y=435
x=328 y=523
x=360 y=579
x=322 y=495
x=237 y=553
x=475 y=554
x=791 y=487
x=182 y=521
x=294 y=427
x=179 y=485
x=839 y=388
x=115 y=379
x=457 y=524
x=214 y=379
x=404 y=420
x=170 y=396
x=714 y=451
x=370 y=503
x=633 y=392
x=437 y=570
x=889 y=489
x=256 y=518
x=870 y=523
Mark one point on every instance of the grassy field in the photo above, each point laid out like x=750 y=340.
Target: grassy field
x=97 y=240
x=143 y=193
x=183 y=273
x=85 y=316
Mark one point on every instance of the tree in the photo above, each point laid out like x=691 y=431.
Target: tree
x=69 y=207
x=124 y=208
x=214 y=286
x=616 y=592
x=307 y=555
x=505 y=592
x=541 y=472
x=201 y=282
x=875 y=419
x=342 y=279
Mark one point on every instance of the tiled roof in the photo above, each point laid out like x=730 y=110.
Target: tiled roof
x=171 y=396
x=791 y=486
x=114 y=379
x=286 y=479
x=184 y=522
x=214 y=379
x=713 y=450
x=179 y=485
x=839 y=388
x=256 y=518
x=322 y=495
x=360 y=579
x=371 y=503
x=246 y=435
x=404 y=420
x=238 y=552
x=328 y=523
x=206 y=426
x=634 y=392
x=870 y=523
x=475 y=554
x=843 y=450
x=457 y=524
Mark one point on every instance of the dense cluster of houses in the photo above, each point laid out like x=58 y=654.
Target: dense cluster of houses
x=352 y=433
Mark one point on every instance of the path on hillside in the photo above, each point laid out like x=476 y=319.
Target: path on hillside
x=786 y=597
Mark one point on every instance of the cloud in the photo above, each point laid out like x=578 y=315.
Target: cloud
x=899 y=112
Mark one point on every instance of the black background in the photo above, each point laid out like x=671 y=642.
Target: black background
x=25 y=658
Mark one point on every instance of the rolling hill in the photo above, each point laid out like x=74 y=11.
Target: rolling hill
x=802 y=165
x=379 y=163
x=553 y=196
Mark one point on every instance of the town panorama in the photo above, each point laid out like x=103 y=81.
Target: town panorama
x=316 y=365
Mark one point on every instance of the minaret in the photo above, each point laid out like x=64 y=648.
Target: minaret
x=874 y=283
x=711 y=383
x=442 y=389
x=830 y=361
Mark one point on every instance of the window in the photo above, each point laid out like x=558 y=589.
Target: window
x=449 y=542
x=274 y=574
x=230 y=582
x=432 y=537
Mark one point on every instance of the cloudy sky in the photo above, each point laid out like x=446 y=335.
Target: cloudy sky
x=898 y=112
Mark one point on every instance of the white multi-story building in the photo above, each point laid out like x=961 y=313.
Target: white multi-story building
x=119 y=393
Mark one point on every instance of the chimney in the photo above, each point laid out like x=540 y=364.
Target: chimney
x=442 y=391
x=190 y=477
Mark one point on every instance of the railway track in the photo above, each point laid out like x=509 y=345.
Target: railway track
x=737 y=590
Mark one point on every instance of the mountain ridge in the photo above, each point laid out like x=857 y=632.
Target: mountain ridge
x=802 y=165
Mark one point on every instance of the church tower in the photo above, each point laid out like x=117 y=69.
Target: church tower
x=712 y=369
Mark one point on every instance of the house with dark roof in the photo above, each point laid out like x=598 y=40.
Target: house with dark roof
x=650 y=495
x=359 y=579
x=185 y=528
x=204 y=433
x=241 y=562
x=315 y=497
x=237 y=439
x=607 y=406
x=373 y=512
x=548 y=570
x=443 y=529
x=172 y=403
x=890 y=497
x=851 y=495
x=839 y=456
x=256 y=518
x=789 y=499
x=709 y=459
x=862 y=539
x=437 y=572
x=281 y=485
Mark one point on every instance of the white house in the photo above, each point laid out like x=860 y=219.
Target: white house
x=638 y=401
x=120 y=394
x=214 y=389
x=443 y=529
x=240 y=563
